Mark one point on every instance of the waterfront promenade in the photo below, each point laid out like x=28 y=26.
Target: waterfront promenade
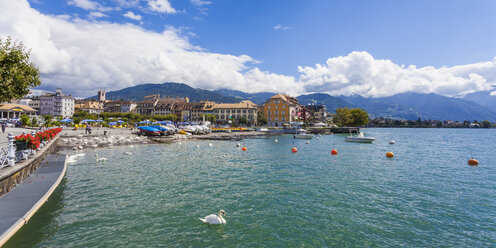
x=20 y=204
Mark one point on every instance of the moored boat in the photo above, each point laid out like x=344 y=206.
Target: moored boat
x=360 y=138
x=303 y=136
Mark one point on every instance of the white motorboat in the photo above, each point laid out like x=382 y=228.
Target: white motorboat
x=360 y=138
x=303 y=136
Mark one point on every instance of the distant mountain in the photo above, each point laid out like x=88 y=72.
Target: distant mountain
x=258 y=98
x=408 y=106
x=138 y=92
x=443 y=108
x=378 y=107
x=331 y=102
x=484 y=98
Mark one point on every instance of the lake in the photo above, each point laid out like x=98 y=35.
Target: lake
x=426 y=196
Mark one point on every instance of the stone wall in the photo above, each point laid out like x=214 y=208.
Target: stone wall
x=10 y=177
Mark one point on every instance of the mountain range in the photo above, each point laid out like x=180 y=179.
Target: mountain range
x=409 y=106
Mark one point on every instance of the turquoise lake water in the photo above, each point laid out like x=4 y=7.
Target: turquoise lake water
x=426 y=196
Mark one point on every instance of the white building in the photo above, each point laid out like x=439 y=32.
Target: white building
x=56 y=104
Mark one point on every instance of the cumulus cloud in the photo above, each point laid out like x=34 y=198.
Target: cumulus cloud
x=96 y=14
x=360 y=73
x=280 y=27
x=161 y=6
x=89 y=5
x=133 y=16
x=200 y=3
x=82 y=56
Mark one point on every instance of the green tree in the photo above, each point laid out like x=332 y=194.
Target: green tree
x=34 y=122
x=24 y=120
x=486 y=124
x=359 y=117
x=80 y=114
x=209 y=117
x=342 y=117
x=242 y=120
x=262 y=121
x=17 y=74
x=47 y=119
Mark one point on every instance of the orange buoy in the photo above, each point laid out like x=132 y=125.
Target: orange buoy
x=334 y=152
x=389 y=154
x=294 y=149
x=473 y=162
x=244 y=148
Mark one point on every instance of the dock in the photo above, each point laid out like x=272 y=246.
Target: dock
x=20 y=204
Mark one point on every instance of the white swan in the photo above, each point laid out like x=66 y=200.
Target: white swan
x=128 y=153
x=392 y=142
x=100 y=159
x=71 y=159
x=275 y=140
x=215 y=219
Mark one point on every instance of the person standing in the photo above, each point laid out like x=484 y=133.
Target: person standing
x=3 y=127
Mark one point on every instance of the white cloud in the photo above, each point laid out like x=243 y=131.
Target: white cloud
x=162 y=6
x=82 y=56
x=97 y=14
x=133 y=16
x=200 y=3
x=85 y=4
x=89 y=5
x=280 y=27
x=359 y=73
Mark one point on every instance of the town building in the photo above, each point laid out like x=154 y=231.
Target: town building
x=56 y=104
x=281 y=109
x=31 y=102
x=226 y=112
x=119 y=106
x=11 y=111
x=149 y=105
x=316 y=113
x=90 y=107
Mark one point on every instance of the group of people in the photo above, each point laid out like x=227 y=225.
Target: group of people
x=88 y=129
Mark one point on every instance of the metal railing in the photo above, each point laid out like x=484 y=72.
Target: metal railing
x=8 y=154
x=4 y=154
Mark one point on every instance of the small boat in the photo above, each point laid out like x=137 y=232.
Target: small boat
x=303 y=136
x=359 y=138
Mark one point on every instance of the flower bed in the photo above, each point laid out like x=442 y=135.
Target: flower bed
x=28 y=141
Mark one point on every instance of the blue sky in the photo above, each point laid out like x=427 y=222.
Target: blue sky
x=337 y=47
x=423 y=33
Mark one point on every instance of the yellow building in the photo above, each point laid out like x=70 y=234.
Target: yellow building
x=280 y=109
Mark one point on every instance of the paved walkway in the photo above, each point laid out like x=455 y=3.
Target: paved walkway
x=20 y=204
x=15 y=130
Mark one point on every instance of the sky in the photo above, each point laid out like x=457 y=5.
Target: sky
x=371 y=48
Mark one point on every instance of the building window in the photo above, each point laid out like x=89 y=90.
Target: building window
x=239 y=111
x=268 y=112
x=283 y=106
x=268 y=107
x=244 y=110
x=277 y=107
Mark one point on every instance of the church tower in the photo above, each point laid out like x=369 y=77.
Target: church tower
x=101 y=95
